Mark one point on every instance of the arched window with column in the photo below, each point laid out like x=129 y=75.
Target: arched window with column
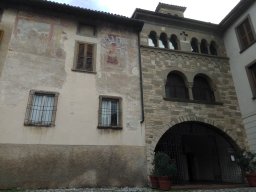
x=163 y=41
x=204 y=46
x=213 y=48
x=174 y=42
x=152 y=39
x=194 y=45
x=175 y=86
x=202 y=90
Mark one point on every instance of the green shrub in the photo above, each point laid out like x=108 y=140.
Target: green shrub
x=163 y=165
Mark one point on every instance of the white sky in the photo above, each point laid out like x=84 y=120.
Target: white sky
x=204 y=10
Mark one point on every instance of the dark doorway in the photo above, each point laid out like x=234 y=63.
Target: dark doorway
x=202 y=154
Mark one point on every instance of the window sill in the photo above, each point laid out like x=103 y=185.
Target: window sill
x=83 y=71
x=110 y=127
x=37 y=125
x=192 y=101
x=242 y=50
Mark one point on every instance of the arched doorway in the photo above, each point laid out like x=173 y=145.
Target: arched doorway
x=203 y=153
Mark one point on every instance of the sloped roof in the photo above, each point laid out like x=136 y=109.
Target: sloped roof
x=235 y=13
x=82 y=13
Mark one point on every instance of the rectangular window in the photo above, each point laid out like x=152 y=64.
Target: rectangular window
x=110 y=112
x=251 y=72
x=245 y=34
x=41 y=109
x=84 y=57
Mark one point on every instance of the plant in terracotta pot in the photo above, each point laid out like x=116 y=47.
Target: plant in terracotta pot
x=165 y=168
x=247 y=161
x=154 y=178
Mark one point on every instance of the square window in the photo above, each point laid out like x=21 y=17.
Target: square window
x=245 y=34
x=41 y=109
x=84 y=60
x=86 y=30
x=110 y=112
x=251 y=73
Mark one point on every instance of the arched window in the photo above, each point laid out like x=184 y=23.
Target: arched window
x=202 y=90
x=194 y=45
x=174 y=42
x=152 y=39
x=175 y=86
x=163 y=42
x=213 y=48
x=203 y=46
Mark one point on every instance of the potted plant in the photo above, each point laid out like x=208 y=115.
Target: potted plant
x=247 y=161
x=154 y=178
x=164 y=168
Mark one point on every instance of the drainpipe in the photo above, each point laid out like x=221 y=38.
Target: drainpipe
x=141 y=83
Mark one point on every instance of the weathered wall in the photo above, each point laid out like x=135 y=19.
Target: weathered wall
x=59 y=166
x=238 y=63
x=40 y=56
x=161 y=114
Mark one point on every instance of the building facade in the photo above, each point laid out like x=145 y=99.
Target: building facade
x=190 y=104
x=70 y=97
x=239 y=37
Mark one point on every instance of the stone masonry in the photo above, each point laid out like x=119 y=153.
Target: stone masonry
x=161 y=114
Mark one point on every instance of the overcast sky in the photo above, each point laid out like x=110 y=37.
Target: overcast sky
x=205 y=10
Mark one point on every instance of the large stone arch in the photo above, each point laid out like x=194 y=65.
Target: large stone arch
x=158 y=133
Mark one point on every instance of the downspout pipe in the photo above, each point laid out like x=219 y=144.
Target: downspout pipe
x=141 y=82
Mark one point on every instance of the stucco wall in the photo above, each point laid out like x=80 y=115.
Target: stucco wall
x=238 y=62
x=40 y=57
x=59 y=166
x=74 y=152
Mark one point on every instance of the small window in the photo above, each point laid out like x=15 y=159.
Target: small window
x=85 y=57
x=194 y=45
x=204 y=46
x=202 y=90
x=110 y=112
x=163 y=42
x=251 y=72
x=175 y=86
x=86 y=30
x=245 y=34
x=213 y=48
x=152 y=39
x=41 y=109
x=174 y=42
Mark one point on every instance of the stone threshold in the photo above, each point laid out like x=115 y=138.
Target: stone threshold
x=208 y=186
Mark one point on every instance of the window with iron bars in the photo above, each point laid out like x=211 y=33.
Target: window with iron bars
x=202 y=90
x=41 y=108
x=110 y=112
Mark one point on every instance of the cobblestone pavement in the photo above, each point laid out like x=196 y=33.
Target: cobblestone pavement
x=251 y=189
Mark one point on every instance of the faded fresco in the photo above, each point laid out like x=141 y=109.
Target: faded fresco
x=44 y=38
x=116 y=48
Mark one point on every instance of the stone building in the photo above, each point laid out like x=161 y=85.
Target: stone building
x=70 y=97
x=239 y=37
x=190 y=104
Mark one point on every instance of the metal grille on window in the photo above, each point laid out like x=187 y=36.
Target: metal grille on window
x=110 y=113
x=41 y=109
x=202 y=90
x=175 y=87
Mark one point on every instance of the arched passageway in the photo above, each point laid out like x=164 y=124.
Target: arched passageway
x=203 y=154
